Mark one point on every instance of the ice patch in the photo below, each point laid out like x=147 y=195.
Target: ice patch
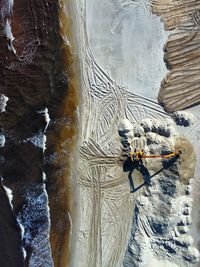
x=8 y=192
x=44 y=177
x=35 y=218
x=3 y=100
x=2 y=140
x=10 y=198
x=38 y=140
x=6 y=13
x=9 y=195
x=47 y=203
x=22 y=236
x=44 y=142
x=45 y=112
x=47 y=118
x=9 y=35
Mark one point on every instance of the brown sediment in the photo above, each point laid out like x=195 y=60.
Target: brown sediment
x=60 y=186
x=38 y=76
x=180 y=88
x=187 y=159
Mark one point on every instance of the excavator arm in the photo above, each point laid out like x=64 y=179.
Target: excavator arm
x=144 y=156
x=160 y=156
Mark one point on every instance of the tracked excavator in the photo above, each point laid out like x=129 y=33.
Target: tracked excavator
x=137 y=163
x=139 y=155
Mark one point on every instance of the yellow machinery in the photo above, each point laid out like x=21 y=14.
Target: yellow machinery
x=138 y=155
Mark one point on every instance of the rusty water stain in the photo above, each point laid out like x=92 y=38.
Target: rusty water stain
x=60 y=187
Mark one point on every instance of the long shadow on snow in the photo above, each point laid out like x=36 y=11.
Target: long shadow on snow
x=130 y=166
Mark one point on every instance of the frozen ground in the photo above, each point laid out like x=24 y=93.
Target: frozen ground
x=153 y=226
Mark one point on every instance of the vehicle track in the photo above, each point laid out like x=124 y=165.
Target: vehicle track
x=106 y=205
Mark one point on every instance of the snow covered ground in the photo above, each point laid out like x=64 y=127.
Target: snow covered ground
x=122 y=66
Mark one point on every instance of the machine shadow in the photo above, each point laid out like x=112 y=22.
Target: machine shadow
x=129 y=166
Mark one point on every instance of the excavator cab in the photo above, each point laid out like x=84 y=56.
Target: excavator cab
x=136 y=155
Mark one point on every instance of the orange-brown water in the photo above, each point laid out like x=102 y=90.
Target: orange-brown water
x=60 y=236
